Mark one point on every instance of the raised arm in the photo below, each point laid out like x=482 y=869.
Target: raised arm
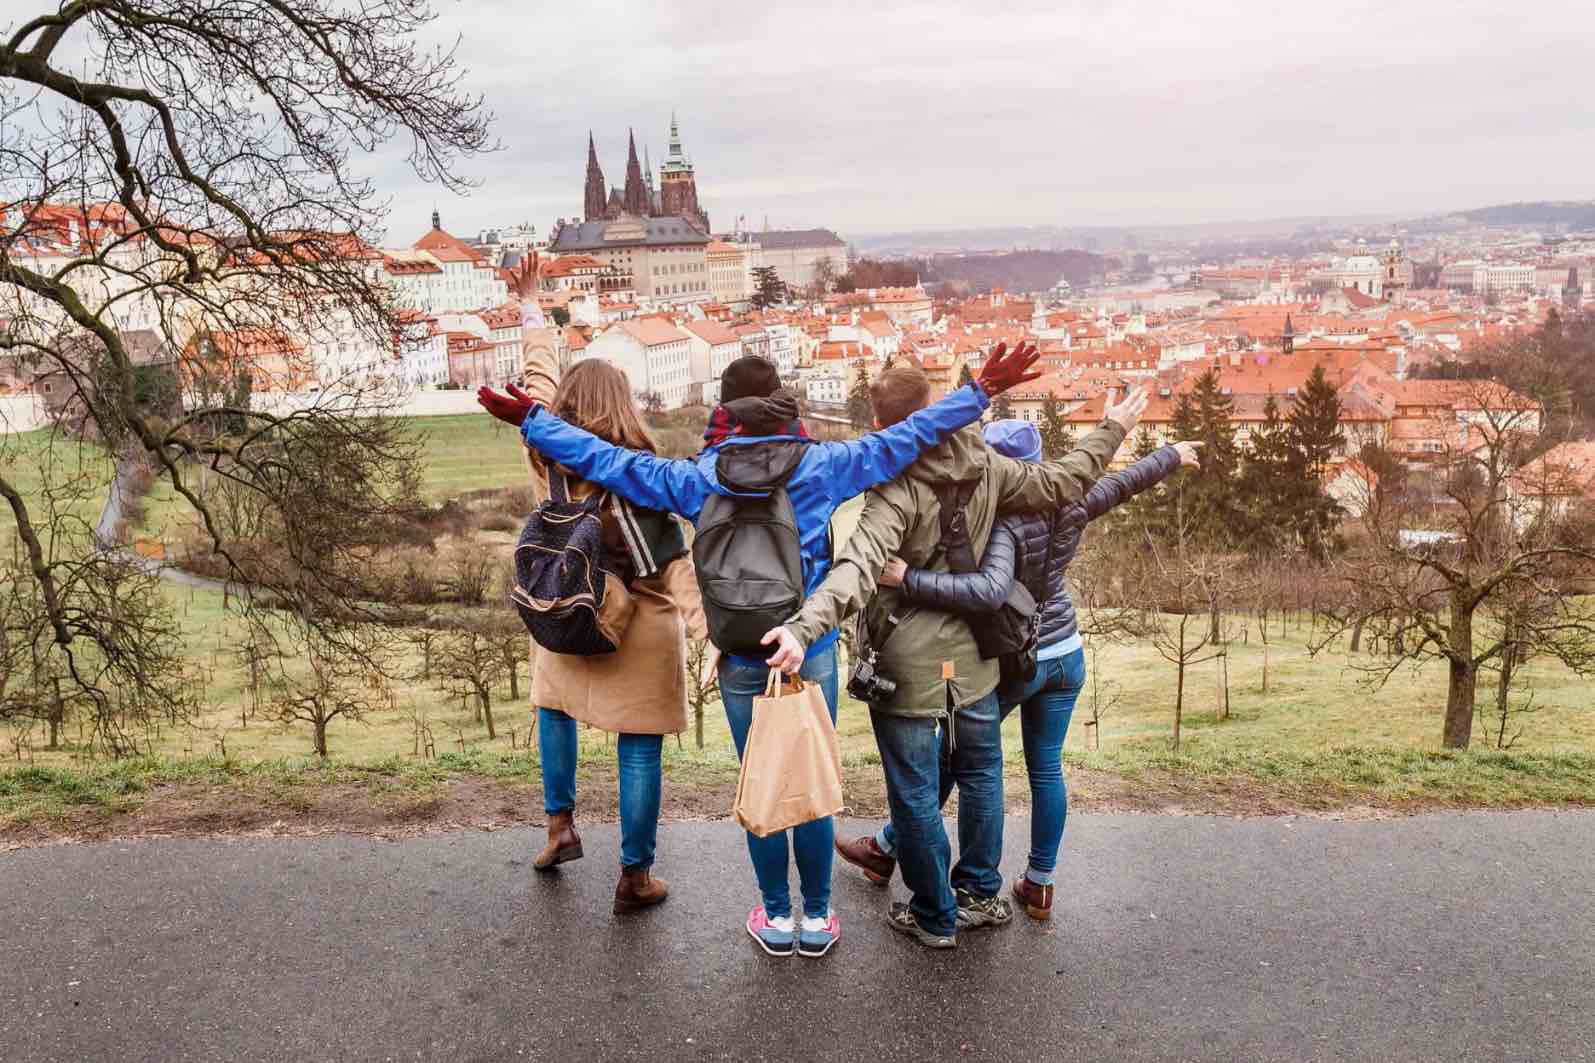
x=539 y=374
x=981 y=591
x=643 y=479
x=1117 y=488
x=1026 y=488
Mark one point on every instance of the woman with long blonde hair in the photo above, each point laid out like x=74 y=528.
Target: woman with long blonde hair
x=639 y=692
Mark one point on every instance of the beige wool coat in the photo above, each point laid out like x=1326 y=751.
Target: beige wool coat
x=641 y=688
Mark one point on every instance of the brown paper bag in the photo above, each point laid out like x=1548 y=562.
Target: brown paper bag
x=792 y=763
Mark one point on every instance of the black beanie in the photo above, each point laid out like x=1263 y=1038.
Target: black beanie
x=749 y=377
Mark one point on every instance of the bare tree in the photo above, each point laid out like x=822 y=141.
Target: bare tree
x=1484 y=527
x=188 y=169
x=702 y=682
x=330 y=684
x=1181 y=585
x=469 y=665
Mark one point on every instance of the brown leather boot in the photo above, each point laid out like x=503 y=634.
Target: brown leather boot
x=637 y=889
x=865 y=855
x=1036 y=900
x=564 y=844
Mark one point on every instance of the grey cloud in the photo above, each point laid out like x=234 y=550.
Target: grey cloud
x=918 y=114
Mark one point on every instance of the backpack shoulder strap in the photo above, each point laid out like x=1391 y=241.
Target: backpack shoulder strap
x=953 y=501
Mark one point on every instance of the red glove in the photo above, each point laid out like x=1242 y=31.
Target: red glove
x=1004 y=370
x=512 y=408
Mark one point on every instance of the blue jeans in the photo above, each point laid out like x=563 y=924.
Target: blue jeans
x=812 y=842
x=640 y=775
x=1046 y=705
x=921 y=770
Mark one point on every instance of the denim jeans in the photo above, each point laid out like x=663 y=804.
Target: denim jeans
x=921 y=771
x=1046 y=705
x=640 y=780
x=812 y=842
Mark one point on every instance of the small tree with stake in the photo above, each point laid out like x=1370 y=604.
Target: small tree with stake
x=1181 y=575
x=468 y=666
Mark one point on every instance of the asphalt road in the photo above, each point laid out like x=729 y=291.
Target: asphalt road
x=1445 y=937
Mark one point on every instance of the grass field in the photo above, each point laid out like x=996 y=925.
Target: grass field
x=76 y=473
x=1320 y=735
x=468 y=454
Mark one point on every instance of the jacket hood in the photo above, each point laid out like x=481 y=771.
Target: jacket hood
x=754 y=468
x=962 y=457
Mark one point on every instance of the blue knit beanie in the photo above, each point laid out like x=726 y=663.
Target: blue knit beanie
x=1014 y=439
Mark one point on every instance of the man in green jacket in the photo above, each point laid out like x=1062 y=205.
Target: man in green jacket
x=943 y=715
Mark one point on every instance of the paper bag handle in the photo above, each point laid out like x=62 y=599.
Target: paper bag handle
x=772 y=684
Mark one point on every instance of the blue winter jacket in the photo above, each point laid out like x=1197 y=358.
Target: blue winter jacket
x=827 y=475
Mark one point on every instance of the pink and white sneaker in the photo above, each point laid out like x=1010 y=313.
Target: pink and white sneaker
x=816 y=935
x=776 y=936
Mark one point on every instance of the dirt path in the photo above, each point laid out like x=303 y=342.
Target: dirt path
x=487 y=803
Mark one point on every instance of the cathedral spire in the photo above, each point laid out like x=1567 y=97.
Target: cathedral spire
x=636 y=197
x=676 y=157
x=594 y=198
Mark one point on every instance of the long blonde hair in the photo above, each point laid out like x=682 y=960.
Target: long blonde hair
x=595 y=395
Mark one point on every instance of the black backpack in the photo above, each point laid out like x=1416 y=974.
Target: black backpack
x=1012 y=634
x=561 y=573
x=747 y=550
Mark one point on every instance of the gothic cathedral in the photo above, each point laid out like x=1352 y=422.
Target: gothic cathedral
x=675 y=197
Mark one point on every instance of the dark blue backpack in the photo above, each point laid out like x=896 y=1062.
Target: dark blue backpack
x=561 y=574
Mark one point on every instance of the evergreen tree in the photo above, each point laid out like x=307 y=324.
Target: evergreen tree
x=768 y=288
x=965 y=376
x=1056 y=437
x=1209 y=496
x=860 y=410
x=1316 y=439
x=1001 y=408
x=1269 y=472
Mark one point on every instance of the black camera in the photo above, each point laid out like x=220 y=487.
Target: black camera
x=866 y=683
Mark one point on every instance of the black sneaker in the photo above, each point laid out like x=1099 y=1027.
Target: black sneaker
x=901 y=917
x=975 y=911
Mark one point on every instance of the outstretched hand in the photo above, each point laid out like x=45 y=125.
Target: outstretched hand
x=511 y=409
x=1007 y=369
x=1127 y=414
x=1190 y=455
x=788 y=654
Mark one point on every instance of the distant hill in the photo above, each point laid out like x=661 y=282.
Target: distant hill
x=1019 y=271
x=1571 y=214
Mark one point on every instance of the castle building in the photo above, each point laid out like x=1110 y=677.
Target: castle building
x=678 y=187
x=676 y=195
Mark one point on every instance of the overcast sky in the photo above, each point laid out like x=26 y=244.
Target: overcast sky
x=883 y=115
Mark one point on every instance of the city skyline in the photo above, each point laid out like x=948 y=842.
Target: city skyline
x=947 y=115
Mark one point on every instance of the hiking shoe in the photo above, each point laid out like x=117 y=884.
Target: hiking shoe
x=975 y=911
x=564 y=844
x=1035 y=898
x=778 y=936
x=866 y=855
x=902 y=919
x=816 y=934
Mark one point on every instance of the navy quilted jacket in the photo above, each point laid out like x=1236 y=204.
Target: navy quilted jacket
x=1038 y=547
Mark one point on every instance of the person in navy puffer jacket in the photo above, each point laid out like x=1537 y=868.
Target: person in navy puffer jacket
x=1037 y=549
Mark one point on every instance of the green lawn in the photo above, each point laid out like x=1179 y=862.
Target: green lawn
x=468 y=453
x=54 y=473
x=1319 y=733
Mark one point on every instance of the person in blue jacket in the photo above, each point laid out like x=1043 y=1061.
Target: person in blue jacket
x=1035 y=548
x=825 y=476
